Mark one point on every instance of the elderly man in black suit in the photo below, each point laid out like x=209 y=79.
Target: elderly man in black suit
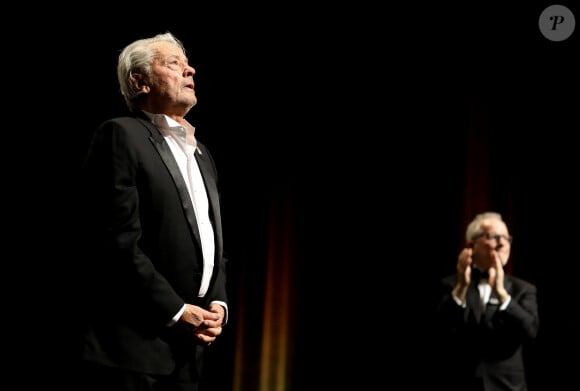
x=153 y=266
x=485 y=316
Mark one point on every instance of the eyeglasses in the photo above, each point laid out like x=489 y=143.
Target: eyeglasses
x=497 y=238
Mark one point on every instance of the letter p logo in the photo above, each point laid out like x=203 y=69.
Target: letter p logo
x=557 y=23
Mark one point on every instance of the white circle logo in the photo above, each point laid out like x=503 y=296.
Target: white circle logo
x=557 y=23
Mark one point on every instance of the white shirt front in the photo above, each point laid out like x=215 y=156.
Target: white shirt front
x=484 y=292
x=175 y=135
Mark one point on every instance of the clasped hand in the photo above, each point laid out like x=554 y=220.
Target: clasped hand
x=206 y=324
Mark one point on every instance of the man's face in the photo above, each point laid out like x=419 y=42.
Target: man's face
x=172 y=87
x=494 y=241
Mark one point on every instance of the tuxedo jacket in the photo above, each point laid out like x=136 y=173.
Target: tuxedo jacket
x=485 y=346
x=141 y=258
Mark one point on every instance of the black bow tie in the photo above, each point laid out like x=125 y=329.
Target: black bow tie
x=478 y=274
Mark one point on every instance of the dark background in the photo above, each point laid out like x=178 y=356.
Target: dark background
x=365 y=138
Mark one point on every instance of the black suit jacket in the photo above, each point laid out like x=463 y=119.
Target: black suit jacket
x=141 y=258
x=485 y=347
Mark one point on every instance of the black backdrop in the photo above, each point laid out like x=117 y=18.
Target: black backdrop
x=363 y=118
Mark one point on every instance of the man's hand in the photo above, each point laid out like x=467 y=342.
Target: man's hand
x=206 y=324
x=496 y=277
x=464 y=262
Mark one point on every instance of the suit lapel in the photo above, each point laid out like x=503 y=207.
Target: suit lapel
x=493 y=305
x=169 y=160
x=474 y=301
x=206 y=168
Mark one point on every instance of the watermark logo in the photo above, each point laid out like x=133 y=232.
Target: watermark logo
x=557 y=22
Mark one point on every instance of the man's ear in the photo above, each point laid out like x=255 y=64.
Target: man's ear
x=139 y=83
x=469 y=244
